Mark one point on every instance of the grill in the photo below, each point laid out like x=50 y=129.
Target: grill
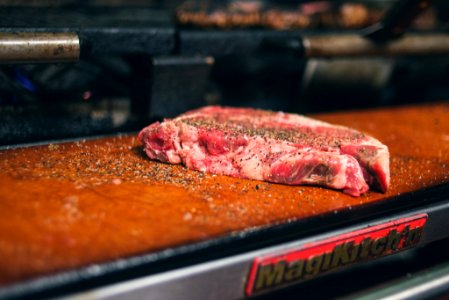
x=91 y=216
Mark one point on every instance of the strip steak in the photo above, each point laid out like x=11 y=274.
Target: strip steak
x=271 y=146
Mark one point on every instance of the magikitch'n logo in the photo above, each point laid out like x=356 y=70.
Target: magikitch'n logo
x=310 y=260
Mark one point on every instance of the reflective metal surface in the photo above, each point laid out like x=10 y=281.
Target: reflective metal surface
x=355 y=45
x=226 y=278
x=25 y=47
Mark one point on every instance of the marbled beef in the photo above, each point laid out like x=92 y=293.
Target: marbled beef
x=272 y=146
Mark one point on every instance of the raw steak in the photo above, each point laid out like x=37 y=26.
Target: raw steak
x=271 y=146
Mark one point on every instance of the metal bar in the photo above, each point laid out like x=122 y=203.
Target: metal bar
x=425 y=285
x=356 y=46
x=26 y=47
x=225 y=278
x=397 y=20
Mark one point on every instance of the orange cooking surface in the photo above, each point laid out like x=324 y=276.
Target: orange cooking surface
x=65 y=206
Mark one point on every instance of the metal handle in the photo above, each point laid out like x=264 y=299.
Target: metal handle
x=354 y=45
x=397 y=20
x=26 y=47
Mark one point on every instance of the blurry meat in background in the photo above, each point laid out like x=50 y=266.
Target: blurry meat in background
x=142 y=60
